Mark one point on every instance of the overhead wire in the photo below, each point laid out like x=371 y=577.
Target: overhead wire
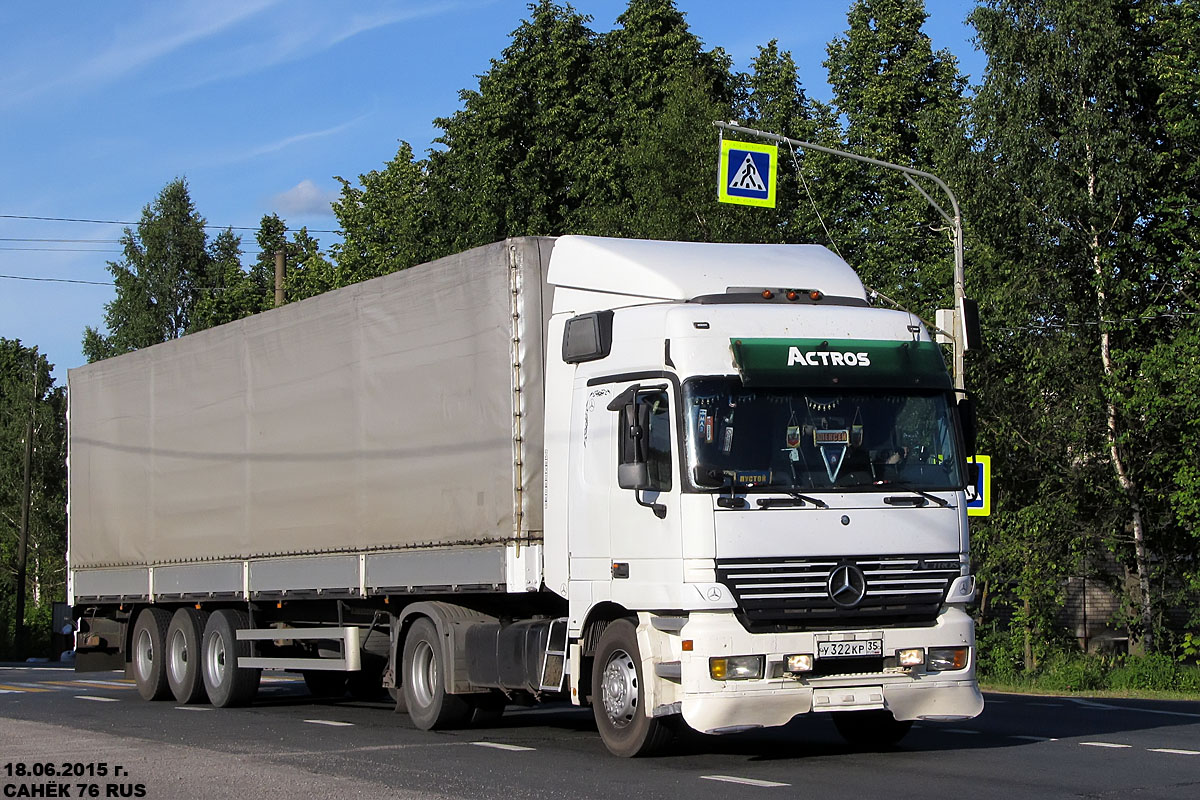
x=119 y=222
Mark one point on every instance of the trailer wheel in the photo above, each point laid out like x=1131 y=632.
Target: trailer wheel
x=870 y=730
x=183 y=655
x=429 y=705
x=617 y=698
x=149 y=653
x=227 y=684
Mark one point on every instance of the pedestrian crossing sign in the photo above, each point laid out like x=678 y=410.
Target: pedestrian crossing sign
x=979 y=491
x=747 y=173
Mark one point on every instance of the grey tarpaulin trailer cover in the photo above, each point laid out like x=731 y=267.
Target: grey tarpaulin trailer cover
x=350 y=422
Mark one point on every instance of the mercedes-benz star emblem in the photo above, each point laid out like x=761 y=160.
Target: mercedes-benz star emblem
x=714 y=593
x=847 y=585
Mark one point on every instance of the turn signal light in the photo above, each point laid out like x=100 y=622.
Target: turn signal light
x=767 y=294
x=736 y=668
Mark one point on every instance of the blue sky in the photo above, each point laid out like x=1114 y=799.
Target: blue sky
x=258 y=104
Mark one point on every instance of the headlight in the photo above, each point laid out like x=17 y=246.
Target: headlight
x=736 y=668
x=913 y=657
x=798 y=663
x=947 y=658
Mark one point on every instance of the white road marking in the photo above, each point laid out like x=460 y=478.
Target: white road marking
x=97 y=699
x=1105 y=744
x=1173 y=751
x=1034 y=738
x=743 y=781
x=331 y=722
x=516 y=748
x=120 y=684
x=191 y=708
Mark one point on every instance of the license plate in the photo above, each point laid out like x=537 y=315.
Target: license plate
x=863 y=647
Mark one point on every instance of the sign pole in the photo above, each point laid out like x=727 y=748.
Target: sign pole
x=954 y=218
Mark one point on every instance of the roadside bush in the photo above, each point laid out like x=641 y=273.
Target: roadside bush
x=1157 y=672
x=1067 y=672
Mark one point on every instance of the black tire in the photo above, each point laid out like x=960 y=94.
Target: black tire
x=148 y=653
x=429 y=705
x=325 y=684
x=625 y=727
x=227 y=684
x=183 y=655
x=870 y=730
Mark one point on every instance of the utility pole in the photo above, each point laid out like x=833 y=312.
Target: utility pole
x=23 y=533
x=280 y=264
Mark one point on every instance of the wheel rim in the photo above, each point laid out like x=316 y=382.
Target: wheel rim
x=177 y=656
x=619 y=689
x=216 y=659
x=144 y=654
x=422 y=675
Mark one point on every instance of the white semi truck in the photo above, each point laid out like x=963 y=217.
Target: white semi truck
x=682 y=483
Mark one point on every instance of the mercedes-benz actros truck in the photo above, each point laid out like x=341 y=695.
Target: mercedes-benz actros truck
x=681 y=483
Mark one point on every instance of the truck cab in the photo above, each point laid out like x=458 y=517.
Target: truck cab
x=754 y=495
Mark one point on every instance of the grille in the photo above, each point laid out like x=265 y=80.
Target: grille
x=793 y=593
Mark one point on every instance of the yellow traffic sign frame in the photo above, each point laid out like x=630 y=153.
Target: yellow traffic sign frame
x=728 y=146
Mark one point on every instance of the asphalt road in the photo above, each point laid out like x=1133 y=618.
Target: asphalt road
x=287 y=745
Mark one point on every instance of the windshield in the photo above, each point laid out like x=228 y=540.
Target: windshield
x=806 y=439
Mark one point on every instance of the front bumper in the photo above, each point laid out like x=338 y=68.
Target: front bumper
x=725 y=706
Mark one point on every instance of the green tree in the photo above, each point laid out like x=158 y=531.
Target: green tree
x=1082 y=235
x=902 y=102
x=157 y=279
x=649 y=173
x=512 y=153
x=227 y=293
x=30 y=403
x=384 y=223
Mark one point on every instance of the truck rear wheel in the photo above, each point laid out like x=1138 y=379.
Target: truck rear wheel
x=149 y=653
x=227 y=684
x=618 y=698
x=870 y=729
x=183 y=655
x=429 y=705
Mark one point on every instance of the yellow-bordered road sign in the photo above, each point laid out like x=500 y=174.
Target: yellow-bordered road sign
x=746 y=174
x=979 y=494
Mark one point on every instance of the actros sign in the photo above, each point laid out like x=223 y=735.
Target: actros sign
x=826 y=358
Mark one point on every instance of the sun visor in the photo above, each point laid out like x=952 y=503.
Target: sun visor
x=858 y=363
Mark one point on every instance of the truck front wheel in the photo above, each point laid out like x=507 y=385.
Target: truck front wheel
x=429 y=705
x=227 y=684
x=618 y=699
x=149 y=654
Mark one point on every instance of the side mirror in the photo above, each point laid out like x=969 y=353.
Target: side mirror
x=972 y=473
x=970 y=424
x=633 y=472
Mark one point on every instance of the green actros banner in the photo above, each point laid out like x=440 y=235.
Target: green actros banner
x=840 y=363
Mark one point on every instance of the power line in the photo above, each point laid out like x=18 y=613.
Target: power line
x=83 y=241
x=54 y=280
x=118 y=222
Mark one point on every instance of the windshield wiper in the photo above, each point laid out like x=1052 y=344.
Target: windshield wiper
x=900 y=500
x=793 y=499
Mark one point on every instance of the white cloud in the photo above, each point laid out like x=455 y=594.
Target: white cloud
x=305 y=199
x=164 y=29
